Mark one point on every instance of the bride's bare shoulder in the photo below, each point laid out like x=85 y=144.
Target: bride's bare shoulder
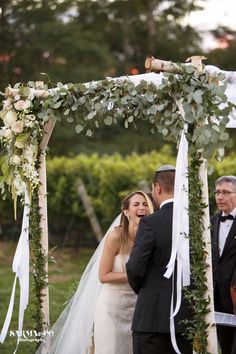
x=114 y=235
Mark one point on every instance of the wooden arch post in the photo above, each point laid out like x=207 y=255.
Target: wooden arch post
x=48 y=128
x=40 y=92
x=157 y=65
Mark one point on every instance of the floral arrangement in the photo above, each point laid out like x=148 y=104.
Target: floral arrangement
x=20 y=135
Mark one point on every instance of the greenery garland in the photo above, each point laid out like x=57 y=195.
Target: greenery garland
x=196 y=294
x=91 y=105
x=38 y=264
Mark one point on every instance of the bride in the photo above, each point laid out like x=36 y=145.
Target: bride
x=98 y=317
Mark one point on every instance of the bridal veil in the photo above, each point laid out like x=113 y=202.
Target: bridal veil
x=73 y=329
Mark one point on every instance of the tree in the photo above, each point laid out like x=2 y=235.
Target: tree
x=80 y=41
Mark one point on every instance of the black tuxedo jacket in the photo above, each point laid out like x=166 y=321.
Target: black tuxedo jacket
x=223 y=266
x=145 y=269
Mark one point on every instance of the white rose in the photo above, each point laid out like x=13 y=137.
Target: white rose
x=15 y=160
x=17 y=127
x=9 y=118
x=7 y=133
x=17 y=97
x=19 y=144
x=7 y=104
x=21 y=104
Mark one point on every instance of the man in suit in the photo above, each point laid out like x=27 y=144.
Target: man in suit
x=224 y=254
x=145 y=269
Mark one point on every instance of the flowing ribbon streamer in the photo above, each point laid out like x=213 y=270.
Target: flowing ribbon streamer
x=20 y=266
x=180 y=229
x=180 y=232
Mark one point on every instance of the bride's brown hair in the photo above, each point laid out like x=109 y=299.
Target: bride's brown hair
x=124 y=221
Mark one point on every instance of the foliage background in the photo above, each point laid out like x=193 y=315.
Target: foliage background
x=80 y=41
x=107 y=178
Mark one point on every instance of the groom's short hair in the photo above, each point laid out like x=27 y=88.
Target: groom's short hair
x=166 y=179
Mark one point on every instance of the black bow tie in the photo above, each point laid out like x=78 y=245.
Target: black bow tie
x=223 y=218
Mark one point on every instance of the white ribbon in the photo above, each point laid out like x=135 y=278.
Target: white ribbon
x=180 y=232
x=20 y=266
x=180 y=228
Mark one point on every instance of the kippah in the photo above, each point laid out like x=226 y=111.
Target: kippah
x=166 y=168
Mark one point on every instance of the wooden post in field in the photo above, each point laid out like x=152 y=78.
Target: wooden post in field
x=89 y=210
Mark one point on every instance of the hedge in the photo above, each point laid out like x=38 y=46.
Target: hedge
x=108 y=179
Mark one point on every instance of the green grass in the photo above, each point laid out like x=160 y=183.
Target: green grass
x=64 y=277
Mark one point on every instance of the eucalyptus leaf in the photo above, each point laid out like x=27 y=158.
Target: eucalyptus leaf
x=79 y=128
x=91 y=115
x=89 y=133
x=124 y=100
x=149 y=97
x=153 y=109
x=164 y=131
x=130 y=119
x=190 y=69
x=197 y=96
x=66 y=111
x=207 y=133
x=108 y=120
x=189 y=117
x=98 y=106
x=57 y=104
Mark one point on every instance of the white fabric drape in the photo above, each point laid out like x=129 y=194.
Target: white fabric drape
x=180 y=234
x=20 y=266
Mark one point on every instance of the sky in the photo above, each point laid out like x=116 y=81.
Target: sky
x=215 y=13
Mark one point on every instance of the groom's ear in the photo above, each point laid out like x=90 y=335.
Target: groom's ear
x=157 y=188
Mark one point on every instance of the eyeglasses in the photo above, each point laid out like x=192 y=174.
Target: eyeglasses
x=223 y=193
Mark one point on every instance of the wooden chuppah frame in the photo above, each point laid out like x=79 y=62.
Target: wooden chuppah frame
x=47 y=131
x=42 y=193
x=151 y=65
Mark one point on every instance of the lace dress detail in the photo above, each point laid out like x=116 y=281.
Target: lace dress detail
x=113 y=315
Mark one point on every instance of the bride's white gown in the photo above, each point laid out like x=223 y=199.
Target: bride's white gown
x=113 y=315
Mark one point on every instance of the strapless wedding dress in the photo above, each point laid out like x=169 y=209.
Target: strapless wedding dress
x=113 y=315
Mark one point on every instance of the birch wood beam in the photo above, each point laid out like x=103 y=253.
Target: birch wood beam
x=37 y=92
x=212 y=346
x=48 y=128
x=157 y=65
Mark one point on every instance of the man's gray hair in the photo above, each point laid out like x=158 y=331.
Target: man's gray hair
x=226 y=179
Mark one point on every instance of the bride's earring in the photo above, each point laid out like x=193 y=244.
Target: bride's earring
x=127 y=215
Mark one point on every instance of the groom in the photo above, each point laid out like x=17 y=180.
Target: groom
x=145 y=269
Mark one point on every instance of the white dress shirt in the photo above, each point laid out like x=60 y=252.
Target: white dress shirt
x=224 y=230
x=170 y=200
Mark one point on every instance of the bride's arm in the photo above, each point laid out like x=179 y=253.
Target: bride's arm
x=111 y=247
